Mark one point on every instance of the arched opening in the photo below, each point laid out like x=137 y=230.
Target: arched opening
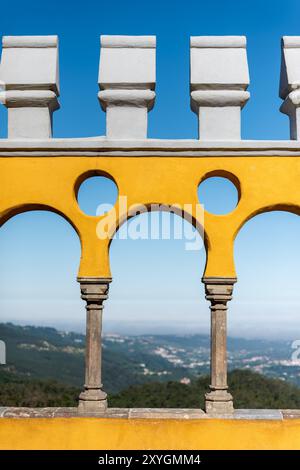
x=264 y=321
x=156 y=319
x=40 y=304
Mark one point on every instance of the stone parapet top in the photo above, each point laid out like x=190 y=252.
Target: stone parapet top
x=149 y=413
x=29 y=41
x=98 y=146
x=218 y=41
x=143 y=42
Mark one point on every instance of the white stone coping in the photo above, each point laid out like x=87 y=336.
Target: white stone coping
x=29 y=41
x=150 y=413
x=218 y=41
x=101 y=146
x=291 y=42
x=143 y=42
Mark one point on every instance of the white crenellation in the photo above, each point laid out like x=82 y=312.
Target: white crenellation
x=127 y=82
x=30 y=84
x=219 y=78
x=289 y=89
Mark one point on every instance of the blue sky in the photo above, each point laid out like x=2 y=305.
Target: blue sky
x=156 y=284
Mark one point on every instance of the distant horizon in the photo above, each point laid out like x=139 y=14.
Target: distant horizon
x=140 y=330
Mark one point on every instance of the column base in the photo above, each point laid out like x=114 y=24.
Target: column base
x=92 y=401
x=219 y=402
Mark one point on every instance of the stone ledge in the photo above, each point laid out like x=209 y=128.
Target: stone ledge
x=100 y=146
x=291 y=414
x=149 y=413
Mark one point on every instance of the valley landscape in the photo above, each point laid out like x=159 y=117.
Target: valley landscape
x=45 y=367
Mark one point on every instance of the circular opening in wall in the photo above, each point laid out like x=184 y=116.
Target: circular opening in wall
x=97 y=195
x=218 y=195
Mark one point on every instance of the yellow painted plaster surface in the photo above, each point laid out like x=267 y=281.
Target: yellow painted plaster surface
x=265 y=183
x=143 y=434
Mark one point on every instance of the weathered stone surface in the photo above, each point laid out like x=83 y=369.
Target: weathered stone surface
x=148 y=413
x=165 y=413
x=291 y=414
x=258 y=414
x=2 y=410
x=218 y=291
x=22 y=412
x=218 y=402
x=93 y=399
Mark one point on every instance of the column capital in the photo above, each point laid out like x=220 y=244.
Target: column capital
x=94 y=290
x=218 y=290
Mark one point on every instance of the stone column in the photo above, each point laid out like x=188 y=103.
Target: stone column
x=30 y=85
x=218 y=291
x=94 y=291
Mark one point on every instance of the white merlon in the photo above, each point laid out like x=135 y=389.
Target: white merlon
x=219 y=78
x=147 y=42
x=289 y=89
x=127 y=82
x=29 y=77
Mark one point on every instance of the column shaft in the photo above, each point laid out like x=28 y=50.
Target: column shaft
x=218 y=346
x=93 y=346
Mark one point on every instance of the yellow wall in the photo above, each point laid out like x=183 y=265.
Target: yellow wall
x=142 y=434
x=265 y=183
